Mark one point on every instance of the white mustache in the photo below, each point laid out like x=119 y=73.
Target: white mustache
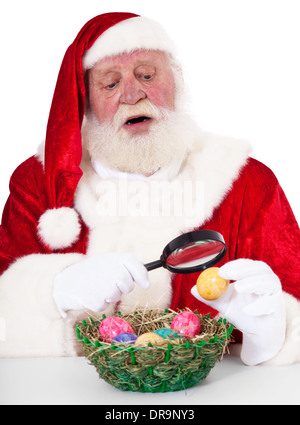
x=143 y=108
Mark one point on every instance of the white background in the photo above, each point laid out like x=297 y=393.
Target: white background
x=241 y=58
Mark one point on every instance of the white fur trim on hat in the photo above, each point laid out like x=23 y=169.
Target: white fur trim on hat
x=127 y=36
x=59 y=228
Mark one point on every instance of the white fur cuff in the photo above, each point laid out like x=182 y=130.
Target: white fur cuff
x=32 y=325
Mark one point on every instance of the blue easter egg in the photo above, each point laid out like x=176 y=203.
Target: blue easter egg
x=127 y=338
x=167 y=333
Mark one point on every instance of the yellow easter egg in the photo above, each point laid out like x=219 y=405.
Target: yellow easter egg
x=210 y=285
x=149 y=337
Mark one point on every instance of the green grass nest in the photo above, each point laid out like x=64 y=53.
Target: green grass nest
x=177 y=365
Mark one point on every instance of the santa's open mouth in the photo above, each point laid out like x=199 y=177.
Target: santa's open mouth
x=137 y=120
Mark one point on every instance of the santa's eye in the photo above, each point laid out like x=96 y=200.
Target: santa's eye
x=110 y=80
x=111 y=85
x=147 y=77
x=145 y=73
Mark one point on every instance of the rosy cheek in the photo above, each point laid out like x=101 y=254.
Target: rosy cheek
x=163 y=97
x=104 y=109
x=109 y=112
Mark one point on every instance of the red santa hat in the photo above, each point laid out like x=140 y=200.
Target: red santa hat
x=105 y=35
x=127 y=36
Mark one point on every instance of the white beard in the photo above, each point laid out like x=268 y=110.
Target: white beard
x=168 y=140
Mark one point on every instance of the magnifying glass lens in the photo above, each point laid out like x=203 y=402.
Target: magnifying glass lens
x=191 y=252
x=195 y=254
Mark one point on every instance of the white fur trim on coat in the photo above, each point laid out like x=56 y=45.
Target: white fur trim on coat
x=31 y=323
x=127 y=36
x=203 y=181
x=59 y=228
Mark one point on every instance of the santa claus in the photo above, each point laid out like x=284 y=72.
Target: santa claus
x=124 y=169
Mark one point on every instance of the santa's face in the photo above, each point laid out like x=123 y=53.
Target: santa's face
x=133 y=119
x=127 y=80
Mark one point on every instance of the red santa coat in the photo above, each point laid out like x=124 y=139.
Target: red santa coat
x=257 y=222
x=41 y=233
x=254 y=218
x=253 y=215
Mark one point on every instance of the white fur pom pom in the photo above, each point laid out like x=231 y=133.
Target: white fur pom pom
x=59 y=228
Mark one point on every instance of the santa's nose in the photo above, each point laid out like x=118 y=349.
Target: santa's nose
x=131 y=92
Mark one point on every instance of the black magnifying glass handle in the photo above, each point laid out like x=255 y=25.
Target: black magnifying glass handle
x=154 y=265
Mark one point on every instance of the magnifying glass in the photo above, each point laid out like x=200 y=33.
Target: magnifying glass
x=191 y=252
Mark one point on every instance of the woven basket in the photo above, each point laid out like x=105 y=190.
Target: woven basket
x=177 y=365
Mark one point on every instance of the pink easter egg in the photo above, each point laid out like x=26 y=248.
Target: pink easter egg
x=112 y=326
x=187 y=324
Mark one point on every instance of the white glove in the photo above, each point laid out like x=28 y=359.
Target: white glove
x=97 y=281
x=254 y=305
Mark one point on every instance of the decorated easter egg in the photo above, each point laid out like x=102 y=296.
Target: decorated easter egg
x=125 y=338
x=149 y=338
x=186 y=323
x=167 y=333
x=210 y=285
x=112 y=326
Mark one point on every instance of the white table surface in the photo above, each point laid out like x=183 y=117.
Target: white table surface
x=73 y=381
